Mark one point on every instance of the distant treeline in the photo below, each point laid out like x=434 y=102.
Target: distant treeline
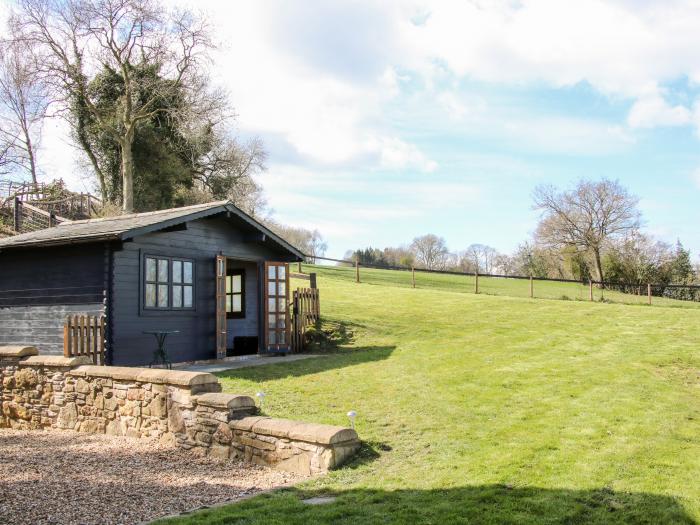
x=589 y=233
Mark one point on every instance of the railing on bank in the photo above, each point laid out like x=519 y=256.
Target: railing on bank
x=27 y=207
x=85 y=335
x=29 y=218
x=533 y=287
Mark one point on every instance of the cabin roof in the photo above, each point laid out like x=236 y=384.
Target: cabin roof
x=124 y=227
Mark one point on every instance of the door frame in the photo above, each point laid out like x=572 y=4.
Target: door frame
x=221 y=339
x=267 y=347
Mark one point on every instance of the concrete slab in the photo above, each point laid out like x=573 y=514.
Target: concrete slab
x=235 y=363
x=319 y=500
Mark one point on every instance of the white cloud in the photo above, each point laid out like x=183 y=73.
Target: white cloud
x=395 y=154
x=618 y=48
x=652 y=110
x=695 y=177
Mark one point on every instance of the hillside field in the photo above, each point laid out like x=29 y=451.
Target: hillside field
x=490 y=409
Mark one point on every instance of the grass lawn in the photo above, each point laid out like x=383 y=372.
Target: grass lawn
x=510 y=287
x=491 y=409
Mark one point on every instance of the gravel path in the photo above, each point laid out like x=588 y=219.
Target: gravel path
x=64 y=477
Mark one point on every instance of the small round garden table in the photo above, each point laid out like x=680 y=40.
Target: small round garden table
x=160 y=356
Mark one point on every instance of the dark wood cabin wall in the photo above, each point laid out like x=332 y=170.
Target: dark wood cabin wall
x=202 y=241
x=40 y=288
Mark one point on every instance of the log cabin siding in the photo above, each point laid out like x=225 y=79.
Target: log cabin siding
x=201 y=241
x=40 y=288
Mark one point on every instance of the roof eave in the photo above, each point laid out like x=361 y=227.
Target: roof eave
x=60 y=242
x=269 y=233
x=143 y=230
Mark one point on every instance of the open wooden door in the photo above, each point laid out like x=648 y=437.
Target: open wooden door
x=277 y=328
x=220 y=307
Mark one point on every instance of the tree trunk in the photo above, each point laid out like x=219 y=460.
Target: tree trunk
x=80 y=127
x=598 y=266
x=127 y=171
x=30 y=154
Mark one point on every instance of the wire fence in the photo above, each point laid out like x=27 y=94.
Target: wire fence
x=660 y=294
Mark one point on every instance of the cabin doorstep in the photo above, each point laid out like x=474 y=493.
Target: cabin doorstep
x=210 y=272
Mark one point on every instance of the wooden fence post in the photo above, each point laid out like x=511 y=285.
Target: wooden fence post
x=357 y=271
x=532 y=288
x=16 y=214
x=649 y=291
x=299 y=267
x=413 y=275
x=312 y=280
x=476 y=282
x=590 y=288
x=67 y=333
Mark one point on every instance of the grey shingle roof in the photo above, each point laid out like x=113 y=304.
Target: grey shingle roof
x=129 y=226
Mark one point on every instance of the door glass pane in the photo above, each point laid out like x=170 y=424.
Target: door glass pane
x=281 y=305
x=237 y=303
x=280 y=322
x=281 y=272
x=272 y=305
x=228 y=304
x=272 y=339
x=272 y=288
x=177 y=271
x=177 y=296
x=236 y=284
x=151 y=294
x=271 y=320
x=228 y=284
x=281 y=337
x=188 y=300
x=271 y=274
x=282 y=288
x=150 y=269
x=162 y=296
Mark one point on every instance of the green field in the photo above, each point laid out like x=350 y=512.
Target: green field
x=510 y=287
x=490 y=409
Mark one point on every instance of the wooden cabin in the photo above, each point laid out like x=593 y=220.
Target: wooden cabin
x=210 y=272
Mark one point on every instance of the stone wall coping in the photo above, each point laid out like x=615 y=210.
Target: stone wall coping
x=224 y=401
x=146 y=375
x=55 y=360
x=296 y=430
x=17 y=351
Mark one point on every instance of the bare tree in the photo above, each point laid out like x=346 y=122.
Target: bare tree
x=23 y=103
x=225 y=169
x=309 y=242
x=586 y=217
x=431 y=252
x=76 y=38
x=478 y=258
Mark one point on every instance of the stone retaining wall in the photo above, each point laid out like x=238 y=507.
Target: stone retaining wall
x=184 y=408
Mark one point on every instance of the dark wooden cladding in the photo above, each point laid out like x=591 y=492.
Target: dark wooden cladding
x=84 y=335
x=40 y=287
x=202 y=241
x=57 y=276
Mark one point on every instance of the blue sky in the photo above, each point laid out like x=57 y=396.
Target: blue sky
x=387 y=120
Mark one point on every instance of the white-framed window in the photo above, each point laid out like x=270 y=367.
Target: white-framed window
x=168 y=283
